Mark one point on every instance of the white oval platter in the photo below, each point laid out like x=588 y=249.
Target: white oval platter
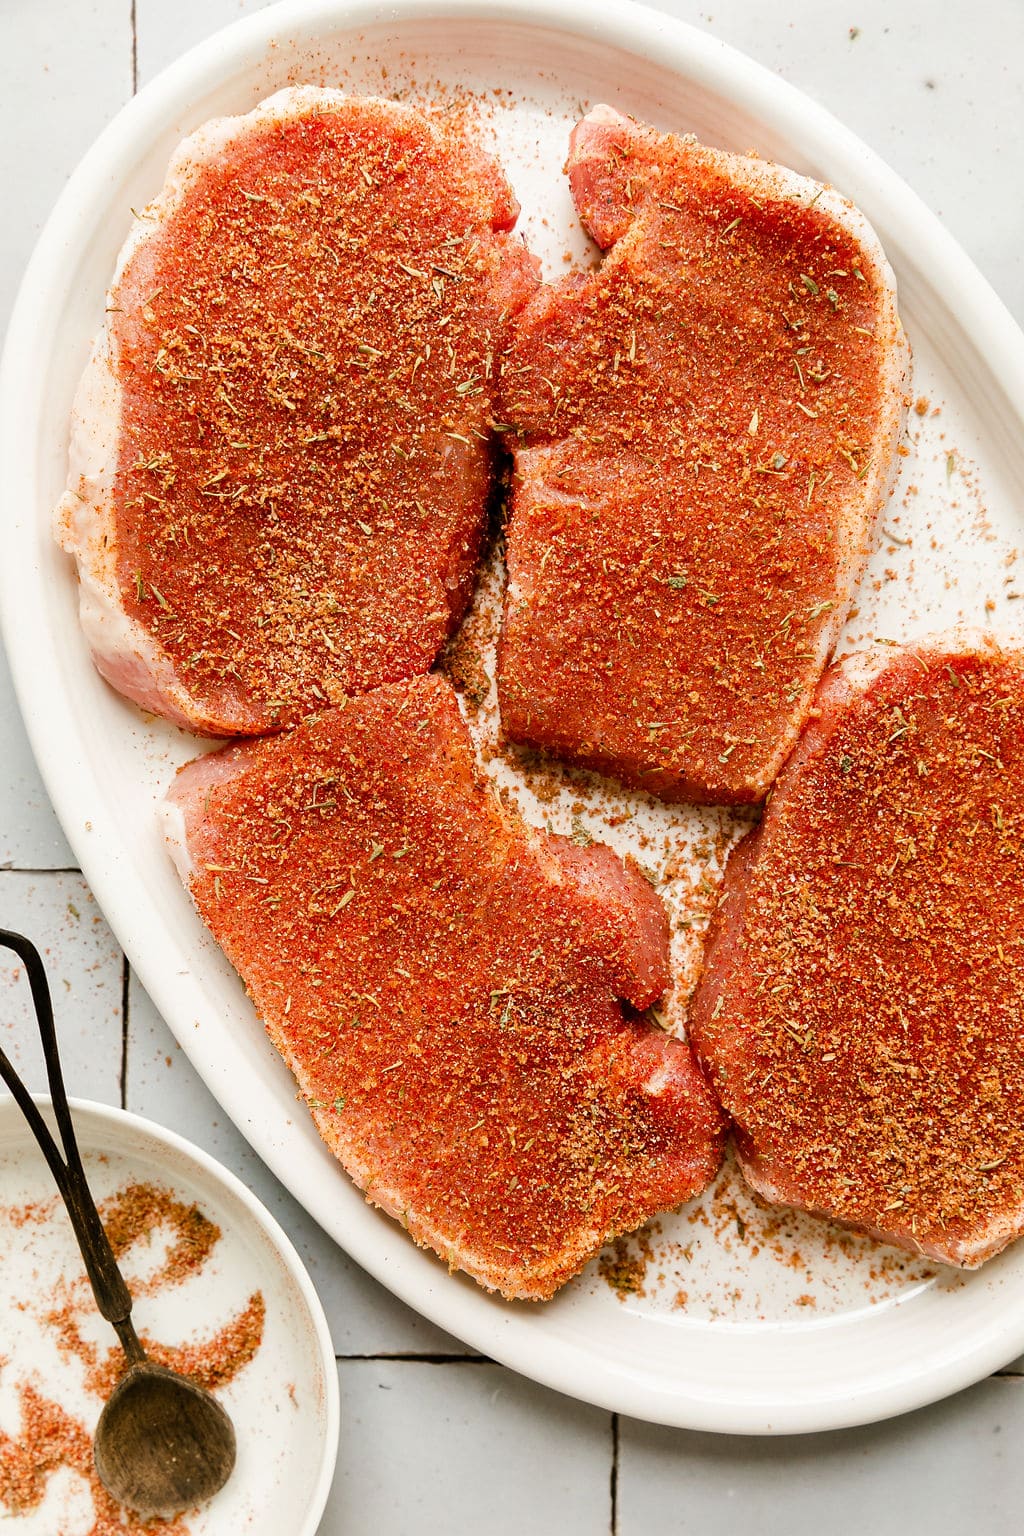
x=734 y=1320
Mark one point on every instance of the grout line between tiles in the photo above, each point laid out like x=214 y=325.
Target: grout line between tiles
x=125 y=991
x=410 y=1357
x=48 y=869
x=135 y=45
x=613 y=1481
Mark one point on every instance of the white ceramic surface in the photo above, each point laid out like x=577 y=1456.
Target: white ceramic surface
x=283 y=1402
x=767 y=1369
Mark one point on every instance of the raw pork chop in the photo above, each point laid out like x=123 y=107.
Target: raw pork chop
x=863 y=996
x=445 y=985
x=281 y=450
x=706 y=427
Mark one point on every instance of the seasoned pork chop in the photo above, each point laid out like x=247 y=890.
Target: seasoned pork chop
x=862 y=1006
x=445 y=984
x=705 y=428
x=281 y=452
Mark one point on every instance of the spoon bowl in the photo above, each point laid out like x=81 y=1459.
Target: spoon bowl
x=162 y=1443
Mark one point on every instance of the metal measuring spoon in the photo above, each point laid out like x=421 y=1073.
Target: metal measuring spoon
x=162 y=1443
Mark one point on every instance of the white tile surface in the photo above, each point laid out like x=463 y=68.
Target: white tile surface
x=952 y=1468
x=66 y=70
x=442 y=1450
x=57 y=97
x=30 y=837
x=83 y=960
x=447 y=1448
x=365 y=1319
x=164 y=31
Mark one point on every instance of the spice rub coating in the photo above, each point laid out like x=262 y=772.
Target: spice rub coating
x=861 y=1008
x=704 y=429
x=447 y=986
x=282 y=447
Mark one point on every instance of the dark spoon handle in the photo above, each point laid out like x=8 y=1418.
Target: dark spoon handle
x=112 y=1294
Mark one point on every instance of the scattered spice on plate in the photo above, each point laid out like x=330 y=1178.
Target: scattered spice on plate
x=623 y=1265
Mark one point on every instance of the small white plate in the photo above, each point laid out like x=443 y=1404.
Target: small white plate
x=283 y=1402
x=754 y=1346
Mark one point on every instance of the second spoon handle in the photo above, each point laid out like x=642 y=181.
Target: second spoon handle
x=112 y=1294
